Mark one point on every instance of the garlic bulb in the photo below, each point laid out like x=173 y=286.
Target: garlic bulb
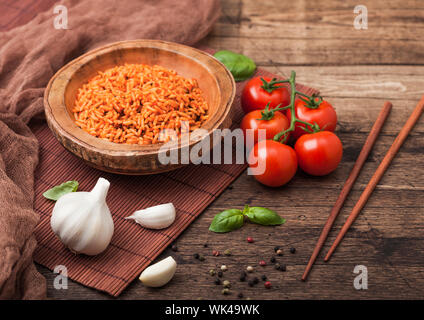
x=157 y=217
x=159 y=274
x=82 y=220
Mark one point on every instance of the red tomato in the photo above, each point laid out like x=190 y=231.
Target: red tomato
x=278 y=123
x=272 y=163
x=319 y=153
x=255 y=97
x=325 y=116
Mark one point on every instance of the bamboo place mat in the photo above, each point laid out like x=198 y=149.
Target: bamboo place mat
x=191 y=189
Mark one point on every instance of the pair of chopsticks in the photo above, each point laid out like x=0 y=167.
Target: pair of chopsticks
x=372 y=137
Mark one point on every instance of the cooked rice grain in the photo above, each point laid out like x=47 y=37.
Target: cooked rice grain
x=133 y=103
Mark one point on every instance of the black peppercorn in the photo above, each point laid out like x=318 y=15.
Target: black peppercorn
x=205 y=245
x=277 y=266
x=264 y=277
x=217 y=281
x=220 y=274
x=272 y=259
x=174 y=248
x=196 y=256
x=283 y=267
x=240 y=295
x=243 y=276
x=292 y=250
x=255 y=280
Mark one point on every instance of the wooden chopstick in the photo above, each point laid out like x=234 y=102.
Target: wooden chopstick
x=363 y=155
x=378 y=174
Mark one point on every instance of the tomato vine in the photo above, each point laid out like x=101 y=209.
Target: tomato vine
x=312 y=102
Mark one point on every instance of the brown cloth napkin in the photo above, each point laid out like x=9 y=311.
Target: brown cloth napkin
x=29 y=56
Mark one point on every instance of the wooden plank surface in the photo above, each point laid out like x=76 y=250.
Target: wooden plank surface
x=356 y=70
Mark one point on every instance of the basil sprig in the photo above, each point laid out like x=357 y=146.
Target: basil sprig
x=240 y=66
x=227 y=220
x=58 y=191
x=233 y=219
x=263 y=216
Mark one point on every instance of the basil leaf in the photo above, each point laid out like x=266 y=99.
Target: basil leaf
x=227 y=220
x=240 y=66
x=263 y=216
x=58 y=191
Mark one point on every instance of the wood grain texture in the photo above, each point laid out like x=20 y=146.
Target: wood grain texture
x=214 y=80
x=357 y=71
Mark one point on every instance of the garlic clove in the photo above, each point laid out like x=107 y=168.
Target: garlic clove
x=159 y=274
x=82 y=220
x=157 y=217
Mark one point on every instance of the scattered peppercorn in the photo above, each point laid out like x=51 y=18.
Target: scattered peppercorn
x=283 y=268
x=220 y=274
x=217 y=281
x=230 y=187
x=292 y=250
x=267 y=285
x=174 y=248
x=196 y=256
x=280 y=252
x=276 y=248
x=243 y=273
x=251 y=283
x=212 y=272
x=242 y=278
x=263 y=277
x=272 y=260
x=250 y=239
x=201 y=258
x=227 y=252
x=225 y=291
x=215 y=253
x=240 y=295
x=226 y=284
x=249 y=269
x=255 y=280
x=262 y=263
x=224 y=267
x=277 y=266
x=205 y=245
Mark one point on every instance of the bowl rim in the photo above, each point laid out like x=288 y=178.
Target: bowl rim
x=132 y=149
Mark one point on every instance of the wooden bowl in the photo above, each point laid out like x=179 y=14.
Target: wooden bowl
x=214 y=79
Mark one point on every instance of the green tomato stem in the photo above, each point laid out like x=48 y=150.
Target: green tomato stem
x=271 y=85
x=294 y=119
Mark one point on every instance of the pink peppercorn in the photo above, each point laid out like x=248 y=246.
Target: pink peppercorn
x=267 y=284
x=249 y=239
x=262 y=263
x=215 y=253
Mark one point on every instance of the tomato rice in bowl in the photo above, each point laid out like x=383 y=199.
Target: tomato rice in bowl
x=110 y=105
x=135 y=103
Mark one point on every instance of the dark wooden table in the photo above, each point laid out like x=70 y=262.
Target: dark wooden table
x=356 y=70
